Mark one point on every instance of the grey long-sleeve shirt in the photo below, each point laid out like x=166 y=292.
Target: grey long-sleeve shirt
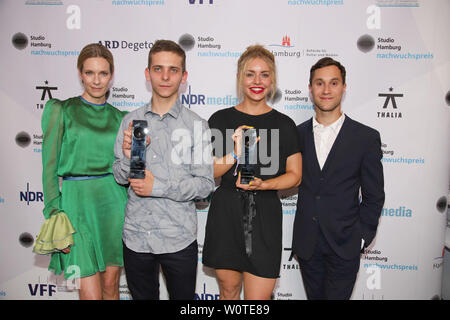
x=180 y=158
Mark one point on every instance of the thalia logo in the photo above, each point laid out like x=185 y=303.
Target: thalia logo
x=46 y=90
x=390 y=100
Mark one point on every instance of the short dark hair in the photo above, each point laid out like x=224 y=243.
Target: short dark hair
x=167 y=45
x=325 y=62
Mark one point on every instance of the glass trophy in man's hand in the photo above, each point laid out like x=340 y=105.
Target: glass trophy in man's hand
x=138 y=146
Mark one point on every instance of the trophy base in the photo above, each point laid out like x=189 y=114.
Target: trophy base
x=247 y=176
x=137 y=174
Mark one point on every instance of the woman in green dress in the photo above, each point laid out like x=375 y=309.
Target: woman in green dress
x=84 y=218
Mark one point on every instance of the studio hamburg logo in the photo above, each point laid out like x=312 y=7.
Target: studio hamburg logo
x=390 y=106
x=365 y=43
x=187 y=42
x=19 y=41
x=23 y=139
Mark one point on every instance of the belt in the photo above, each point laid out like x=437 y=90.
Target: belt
x=86 y=177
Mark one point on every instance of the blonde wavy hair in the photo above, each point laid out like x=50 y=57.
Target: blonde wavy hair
x=252 y=52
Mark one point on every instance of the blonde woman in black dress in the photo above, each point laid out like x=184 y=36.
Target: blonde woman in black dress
x=243 y=238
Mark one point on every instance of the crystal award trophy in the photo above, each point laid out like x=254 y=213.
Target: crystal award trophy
x=249 y=155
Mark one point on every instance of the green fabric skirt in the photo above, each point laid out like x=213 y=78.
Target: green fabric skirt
x=96 y=208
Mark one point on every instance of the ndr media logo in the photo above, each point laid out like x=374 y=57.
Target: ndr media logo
x=189 y=99
x=31 y=196
x=205 y=295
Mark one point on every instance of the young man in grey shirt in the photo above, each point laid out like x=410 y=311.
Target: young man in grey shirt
x=160 y=227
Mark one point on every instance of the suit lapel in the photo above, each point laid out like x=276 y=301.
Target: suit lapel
x=339 y=143
x=310 y=148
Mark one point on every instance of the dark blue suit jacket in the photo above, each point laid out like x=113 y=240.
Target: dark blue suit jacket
x=329 y=198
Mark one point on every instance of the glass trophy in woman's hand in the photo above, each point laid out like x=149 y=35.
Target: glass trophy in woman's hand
x=249 y=155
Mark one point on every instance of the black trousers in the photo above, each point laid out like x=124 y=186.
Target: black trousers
x=179 y=269
x=326 y=276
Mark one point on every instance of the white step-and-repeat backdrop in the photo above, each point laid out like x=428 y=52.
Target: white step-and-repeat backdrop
x=397 y=57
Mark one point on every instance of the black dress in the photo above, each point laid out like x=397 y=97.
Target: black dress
x=227 y=234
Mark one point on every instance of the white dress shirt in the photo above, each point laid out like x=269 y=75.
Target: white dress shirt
x=324 y=137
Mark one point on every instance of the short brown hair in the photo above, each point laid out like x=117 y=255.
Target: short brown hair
x=95 y=50
x=325 y=62
x=170 y=46
x=252 y=52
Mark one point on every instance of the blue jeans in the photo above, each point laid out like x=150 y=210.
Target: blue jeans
x=179 y=269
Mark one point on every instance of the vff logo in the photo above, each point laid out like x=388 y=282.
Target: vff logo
x=201 y=1
x=42 y=289
x=70 y=284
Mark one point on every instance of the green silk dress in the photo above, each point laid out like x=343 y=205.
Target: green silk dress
x=79 y=141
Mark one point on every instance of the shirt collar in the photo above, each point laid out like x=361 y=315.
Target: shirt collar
x=335 y=126
x=174 y=111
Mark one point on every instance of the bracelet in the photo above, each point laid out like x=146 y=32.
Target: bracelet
x=237 y=162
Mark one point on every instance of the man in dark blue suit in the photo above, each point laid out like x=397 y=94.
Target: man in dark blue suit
x=341 y=161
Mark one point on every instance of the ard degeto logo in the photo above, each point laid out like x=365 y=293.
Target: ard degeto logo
x=390 y=107
x=127 y=45
x=20 y=41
